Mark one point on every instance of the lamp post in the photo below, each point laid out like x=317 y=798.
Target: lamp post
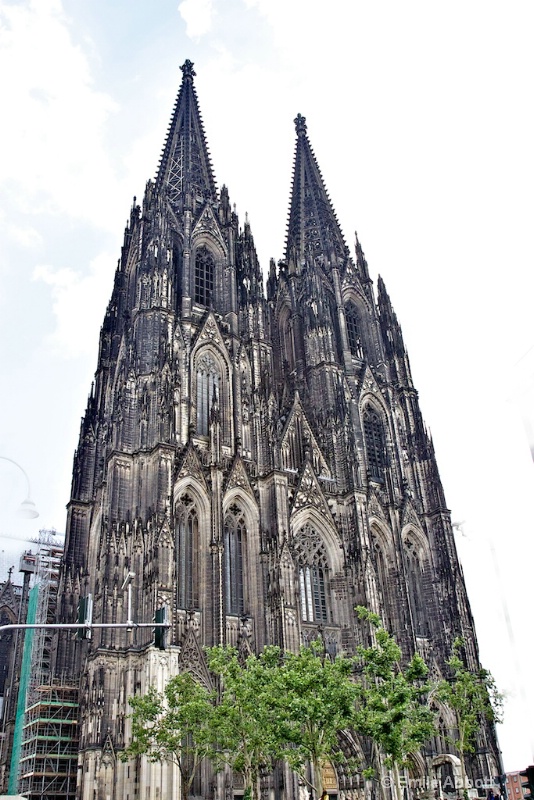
x=27 y=509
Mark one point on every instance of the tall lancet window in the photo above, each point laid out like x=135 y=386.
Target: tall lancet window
x=373 y=431
x=415 y=576
x=382 y=577
x=187 y=553
x=313 y=573
x=353 y=330
x=204 y=276
x=286 y=339
x=234 y=545
x=208 y=380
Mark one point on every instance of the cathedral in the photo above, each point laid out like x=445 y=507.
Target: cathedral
x=252 y=460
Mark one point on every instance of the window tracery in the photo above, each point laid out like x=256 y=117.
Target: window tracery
x=208 y=381
x=235 y=532
x=187 y=553
x=204 y=276
x=415 y=575
x=382 y=578
x=373 y=432
x=287 y=343
x=353 y=330
x=312 y=562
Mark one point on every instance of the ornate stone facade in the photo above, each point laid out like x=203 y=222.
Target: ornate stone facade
x=258 y=462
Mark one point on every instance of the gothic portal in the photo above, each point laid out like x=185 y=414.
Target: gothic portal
x=258 y=462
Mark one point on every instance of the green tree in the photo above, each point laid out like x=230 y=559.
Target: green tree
x=174 y=725
x=472 y=695
x=244 y=724
x=391 y=706
x=315 y=702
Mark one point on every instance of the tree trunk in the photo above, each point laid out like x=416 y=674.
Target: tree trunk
x=317 y=777
x=465 y=793
x=461 y=743
x=186 y=785
x=397 y=781
x=250 y=785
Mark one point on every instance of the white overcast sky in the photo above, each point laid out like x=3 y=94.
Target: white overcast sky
x=420 y=115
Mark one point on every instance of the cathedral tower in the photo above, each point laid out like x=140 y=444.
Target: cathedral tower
x=256 y=464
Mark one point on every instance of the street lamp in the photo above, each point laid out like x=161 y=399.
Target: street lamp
x=27 y=509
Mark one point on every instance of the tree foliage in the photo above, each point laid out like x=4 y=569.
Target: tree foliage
x=174 y=725
x=293 y=707
x=391 y=706
x=316 y=697
x=472 y=695
x=244 y=724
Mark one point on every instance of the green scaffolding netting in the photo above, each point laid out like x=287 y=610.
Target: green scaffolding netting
x=12 y=786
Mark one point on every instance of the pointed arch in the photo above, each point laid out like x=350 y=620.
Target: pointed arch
x=241 y=552
x=380 y=540
x=208 y=381
x=312 y=565
x=314 y=553
x=375 y=441
x=191 y=518
x=187 y=553
x=297 y=438
x=359 y=314
x=235 y=540
x=287 y=344
x=208 y=258
x=416 y=562
x=354 y=333
x=204 y=276
x=211 y=378
x=326 y=530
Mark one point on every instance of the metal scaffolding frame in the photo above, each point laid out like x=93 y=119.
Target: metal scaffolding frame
x=47 y=577
x=49 y=748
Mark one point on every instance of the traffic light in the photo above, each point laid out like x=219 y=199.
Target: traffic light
x=85 y=616
x=528 y=773
x=160 y=633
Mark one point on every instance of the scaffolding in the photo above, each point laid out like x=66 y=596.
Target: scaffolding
x=50 y=744
x=48 y=563
x=48 y=751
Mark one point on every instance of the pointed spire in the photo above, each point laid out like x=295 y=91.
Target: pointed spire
x=391 y=330
x=185 y=170
x=313 y=229
x=249 y=275
x=361 y=262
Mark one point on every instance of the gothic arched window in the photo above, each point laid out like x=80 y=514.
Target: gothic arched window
x=187 y=553
x=204 y=276
x=286 y=339
x=353 y=330
x=415 y=572
x=208 y=380
x=234 y=546
x=312 y=594
x=313 y=574
x=382 y=578
x=373 y=432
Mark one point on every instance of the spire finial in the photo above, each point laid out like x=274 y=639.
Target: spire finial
x=187 y=69
x=300 y=123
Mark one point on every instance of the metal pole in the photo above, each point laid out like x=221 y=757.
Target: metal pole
x=78 y=625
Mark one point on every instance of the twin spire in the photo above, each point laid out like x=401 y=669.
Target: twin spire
x=185 y=170
x=312 y=228
x=186 y=175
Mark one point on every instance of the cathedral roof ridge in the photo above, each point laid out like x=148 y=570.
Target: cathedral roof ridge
x=185 y=171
